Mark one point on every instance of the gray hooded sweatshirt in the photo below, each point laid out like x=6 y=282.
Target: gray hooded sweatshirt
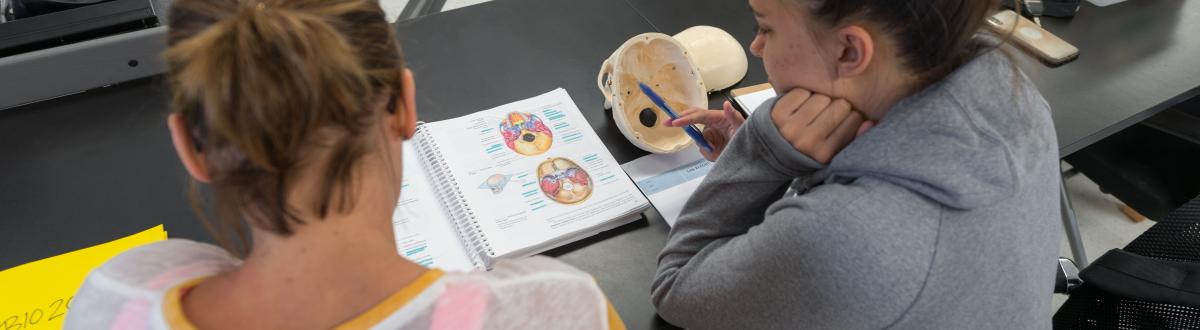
x=944 y=216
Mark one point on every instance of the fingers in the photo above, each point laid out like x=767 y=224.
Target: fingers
x=717 y=126
x=793 y=99
x=731 y=115
x=829 y=120
x=845 y=132
x=798 y=127
x=710 y=156
x=717 y=141
x=693 y=116
x=818 y=126
x=806 y=110
x=815 y=106
x=788 y=104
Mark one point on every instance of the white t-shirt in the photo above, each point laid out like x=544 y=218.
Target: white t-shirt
x=142 y=288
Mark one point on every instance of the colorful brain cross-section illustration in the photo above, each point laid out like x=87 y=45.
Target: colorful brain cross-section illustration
x=564 y=181
x=526 y=134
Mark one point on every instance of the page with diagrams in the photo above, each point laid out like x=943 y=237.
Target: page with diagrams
x=533 y=172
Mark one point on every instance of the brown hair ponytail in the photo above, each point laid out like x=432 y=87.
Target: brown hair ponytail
x=263 y=86
x=934 y=36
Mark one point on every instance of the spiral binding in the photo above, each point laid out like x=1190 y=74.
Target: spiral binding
x=452 y=198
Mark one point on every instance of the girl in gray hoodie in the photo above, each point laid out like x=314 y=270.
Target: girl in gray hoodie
x=924 y=175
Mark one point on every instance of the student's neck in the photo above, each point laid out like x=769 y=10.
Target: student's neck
x=328 y=251
x=327 y=270
x=881 y=87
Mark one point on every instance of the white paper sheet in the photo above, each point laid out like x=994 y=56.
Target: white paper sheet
x=668 y=180
x=750 y=102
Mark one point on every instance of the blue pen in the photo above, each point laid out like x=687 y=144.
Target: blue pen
x=689 y=129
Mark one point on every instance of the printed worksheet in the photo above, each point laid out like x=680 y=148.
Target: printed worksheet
x=669 y=180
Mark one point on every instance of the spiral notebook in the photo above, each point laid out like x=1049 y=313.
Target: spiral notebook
x=512 y=181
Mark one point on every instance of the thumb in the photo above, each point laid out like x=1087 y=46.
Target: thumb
x=731 y=115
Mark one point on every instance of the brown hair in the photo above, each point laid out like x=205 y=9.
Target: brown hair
x=934 y=37
x=264 y=85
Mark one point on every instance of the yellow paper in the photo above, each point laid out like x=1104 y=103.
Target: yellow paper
x=37 y=295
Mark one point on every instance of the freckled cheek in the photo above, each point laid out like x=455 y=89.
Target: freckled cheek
x=795 y=64
x=780 y=68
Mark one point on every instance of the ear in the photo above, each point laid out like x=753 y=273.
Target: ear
x=403 y=123
x=857 y=50
x=409 y=86
x=193 y=160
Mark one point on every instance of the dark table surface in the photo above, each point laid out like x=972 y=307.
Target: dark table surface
x=1136 y=59
x=88 y=168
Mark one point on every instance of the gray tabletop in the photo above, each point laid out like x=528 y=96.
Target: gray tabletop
x=1136 y=59
x=87 y=168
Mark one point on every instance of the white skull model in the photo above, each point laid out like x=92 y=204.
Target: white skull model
x=662 y=63
x=682 y=69
x=721 y=59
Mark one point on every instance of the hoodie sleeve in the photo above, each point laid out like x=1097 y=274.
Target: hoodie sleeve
x=742 y=254
x=754 y=170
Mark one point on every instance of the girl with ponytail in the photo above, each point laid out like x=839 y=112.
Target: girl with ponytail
x=294 y=114
x=923 y=172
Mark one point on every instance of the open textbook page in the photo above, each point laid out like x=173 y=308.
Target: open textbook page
x=512 y=181
x=425 y=233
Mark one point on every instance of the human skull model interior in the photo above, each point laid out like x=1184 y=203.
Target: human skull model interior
x=682 y=69
x=662 y=63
